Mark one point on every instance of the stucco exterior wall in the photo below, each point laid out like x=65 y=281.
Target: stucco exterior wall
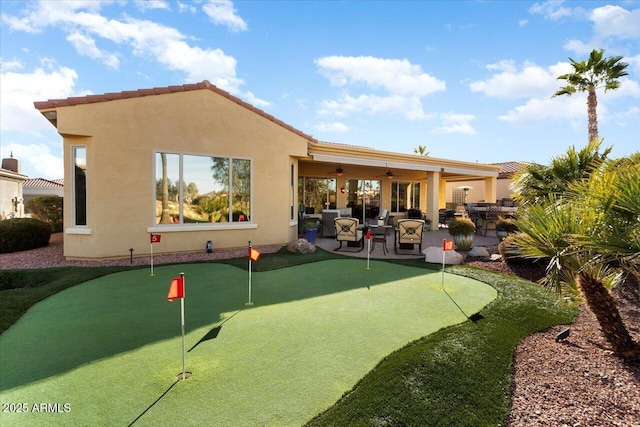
x=10 y=189
x=122 y=138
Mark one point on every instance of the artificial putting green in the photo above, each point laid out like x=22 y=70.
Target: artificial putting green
x=110 y=348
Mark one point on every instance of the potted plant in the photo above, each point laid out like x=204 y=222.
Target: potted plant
x=462 y=230
x=505 y=226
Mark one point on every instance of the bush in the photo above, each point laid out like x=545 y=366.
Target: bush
x=461 y=226
x=21 y=234
x=506 y=224
x=48 y=209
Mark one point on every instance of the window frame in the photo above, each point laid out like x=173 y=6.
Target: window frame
x=181 y=225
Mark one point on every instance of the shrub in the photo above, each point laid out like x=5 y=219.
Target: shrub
x=507 y=224
x=461 y=226
x=48 y=209
x=21 y=234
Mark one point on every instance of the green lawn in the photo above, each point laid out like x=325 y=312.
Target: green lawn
x=111 y=347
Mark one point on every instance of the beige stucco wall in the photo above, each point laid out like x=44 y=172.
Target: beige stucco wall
x=477 y=193
x=10 y=189
x=122 y=137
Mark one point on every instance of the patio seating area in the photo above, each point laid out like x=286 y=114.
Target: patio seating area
x=429 y=238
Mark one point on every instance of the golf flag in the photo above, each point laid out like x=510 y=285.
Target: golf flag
x=368 y=235
x=253 y=254
x=176 y=290
x=447 y=245
x=155 y=238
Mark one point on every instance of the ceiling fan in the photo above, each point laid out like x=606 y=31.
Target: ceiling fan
x=338 y=171
x=390 y=174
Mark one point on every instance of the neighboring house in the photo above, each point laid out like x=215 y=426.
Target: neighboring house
x=194 y=163
x=40 y=187
x=475 y=188
x=11 y=198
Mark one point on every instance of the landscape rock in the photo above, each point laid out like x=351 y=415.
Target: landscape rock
x=479 y=251
x=302 y=246
x=433 y=254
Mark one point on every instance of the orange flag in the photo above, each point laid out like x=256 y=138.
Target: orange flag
x=253 y=254
x=176 y=290
x=447 y=245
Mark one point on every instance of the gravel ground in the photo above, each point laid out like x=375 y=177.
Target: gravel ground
x=576 y=382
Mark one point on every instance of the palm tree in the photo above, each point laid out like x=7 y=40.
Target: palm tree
x=536 y=181
x=591 y=238
x=421 y=150
x=587 y=76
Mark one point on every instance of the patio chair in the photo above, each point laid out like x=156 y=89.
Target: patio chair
x=490 y=217
x=409 y=232
x=347 y=230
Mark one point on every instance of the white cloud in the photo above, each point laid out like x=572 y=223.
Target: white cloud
x=522 y=22
x=579 y=47
x=393 y=75
x=539 y=109
x=530 y=80
x=410 y=107
x=455 y=123
x=552 y=9
x=222 y=12
x=615 y=21
x=86 y=46
x=337 y=127
x=166 y=45
x=19 y=90
x=394 y=86
x=37 y=159
x=151 y=4
x=186 y=7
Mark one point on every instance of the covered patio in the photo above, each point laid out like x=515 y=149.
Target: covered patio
x=363 y=183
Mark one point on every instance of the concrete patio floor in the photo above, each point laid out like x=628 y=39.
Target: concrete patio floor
x=429 y=238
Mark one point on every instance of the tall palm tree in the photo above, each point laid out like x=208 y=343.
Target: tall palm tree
x=591 y=237
x=592 y=74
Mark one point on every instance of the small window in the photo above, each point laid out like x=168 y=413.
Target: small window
x=79 y=186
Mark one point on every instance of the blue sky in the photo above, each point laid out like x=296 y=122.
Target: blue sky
x=470 y=80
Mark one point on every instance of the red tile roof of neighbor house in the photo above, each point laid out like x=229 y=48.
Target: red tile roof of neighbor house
x=43 y=183
x=205 y=84
x=507 y=169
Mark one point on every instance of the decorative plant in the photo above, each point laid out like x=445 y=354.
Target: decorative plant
x=461 y=226
x=507 y=224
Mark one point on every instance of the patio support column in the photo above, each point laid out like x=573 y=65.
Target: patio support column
x=442 y=198
x=490 y=189
x=433 y=198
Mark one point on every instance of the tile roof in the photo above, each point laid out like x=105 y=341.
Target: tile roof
x=43 y=183
x=205 y=84
x=507 y=169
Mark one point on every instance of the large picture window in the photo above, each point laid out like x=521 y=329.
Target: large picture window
x=79 y=186
x=202 y=189
x=404 y=196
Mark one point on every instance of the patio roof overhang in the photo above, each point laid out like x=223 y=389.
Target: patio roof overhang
x=363 y=156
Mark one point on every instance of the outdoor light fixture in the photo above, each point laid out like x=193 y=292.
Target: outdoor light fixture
x=342 y=190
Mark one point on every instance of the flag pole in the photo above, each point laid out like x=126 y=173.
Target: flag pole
x=184 y=374
x=368 y=251
x=151 y=257
x=249 y=303
x=443 y=252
